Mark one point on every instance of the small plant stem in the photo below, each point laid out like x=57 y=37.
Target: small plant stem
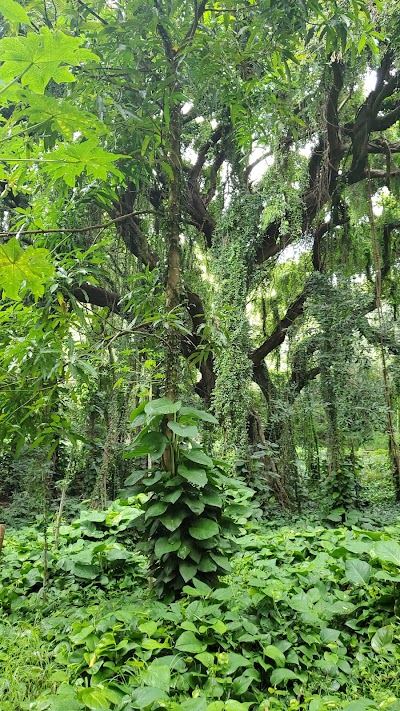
x=60 y=511
x=45 y=540
x=2 y=534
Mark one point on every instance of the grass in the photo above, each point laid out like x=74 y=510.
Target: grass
x=25 y=665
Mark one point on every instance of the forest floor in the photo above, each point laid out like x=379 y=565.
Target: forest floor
x=308 y=619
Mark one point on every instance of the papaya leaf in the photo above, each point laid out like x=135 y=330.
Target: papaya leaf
x=22 y=269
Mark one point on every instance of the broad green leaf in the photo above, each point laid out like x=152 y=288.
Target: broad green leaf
x=206 y=564
x=188 y=642
x=206 y=658
x=361 y=704
x=152 y=644
x=146 y=696
x=13 y=11
x=113 y=694
x=157 y=676
x=64 y=701
x=274 y=653
x=155 y=510
x=384 y=575
x=137 y=411
x=187 y=571
x=358 y=571
x=81 y=635
x=388 y=551
x=195 y=505
x=329 y=635
x=235 y=661
x=37 y=58
x=113 y=555
x=198 y=704
x=382 y=639
x=152 y=443
x=221 y=561
x=199 y=414
x=219 y=626
x=173 y=520
x=189 y=431
x=212 y=498
x=198 y=477
x=184 y=550
x=163 y=545
x=148 y=628
x=279 y=675
x=88 y=572
x=204 y=528
x=199 y=457
x=241 y=683
x=203 y=587
x=22 y=269
x=62 y=117
x=94 y=698
x=238 y=510
x=134 y=478
x=67 y=162
x=173 y=497
x=162 y=406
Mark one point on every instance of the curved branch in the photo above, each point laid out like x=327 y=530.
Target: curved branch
x=279 y=334
x=97 y=296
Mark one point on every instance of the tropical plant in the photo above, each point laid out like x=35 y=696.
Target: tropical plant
x=186 y=525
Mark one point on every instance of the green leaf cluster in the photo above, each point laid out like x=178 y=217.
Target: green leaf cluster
x=185 y=529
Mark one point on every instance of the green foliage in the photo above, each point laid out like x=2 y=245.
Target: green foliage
x=186 y=527
x=236 y=243
x=26 y=664
x=95 y=551
x=39 y=57
x=307 y=613
x=22 y=270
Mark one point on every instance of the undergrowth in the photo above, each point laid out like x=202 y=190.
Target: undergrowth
x=307 y=619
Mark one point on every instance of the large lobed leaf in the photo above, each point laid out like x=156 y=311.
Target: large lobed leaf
x=22 y=269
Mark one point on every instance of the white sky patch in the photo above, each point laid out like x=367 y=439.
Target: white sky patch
x=190 y=155
x=226 y=182
x=377 y=200
x=307 y=150
x=293 y=252
x=370 y=81
x=260 y=169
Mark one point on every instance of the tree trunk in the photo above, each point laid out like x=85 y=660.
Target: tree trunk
x=173 y=253
x=2 y=534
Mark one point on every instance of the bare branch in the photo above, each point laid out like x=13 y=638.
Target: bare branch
x=198 y=14
x=278 y=336
x=75 y=230
x=97 y=296
x=92 y=12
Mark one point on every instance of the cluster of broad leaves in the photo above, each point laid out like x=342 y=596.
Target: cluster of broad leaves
x=188 y=521
x=307 y=619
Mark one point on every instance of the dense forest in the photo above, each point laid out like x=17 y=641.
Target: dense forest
x=199 y=355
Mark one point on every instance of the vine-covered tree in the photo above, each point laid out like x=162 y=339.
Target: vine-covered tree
x=161 y=163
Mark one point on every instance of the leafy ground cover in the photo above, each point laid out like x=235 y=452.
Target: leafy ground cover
x=307 y=619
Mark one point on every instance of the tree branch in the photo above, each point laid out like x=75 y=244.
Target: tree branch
x=198 y=14
x=278 y=336
x=75 y=230
x=97 y=296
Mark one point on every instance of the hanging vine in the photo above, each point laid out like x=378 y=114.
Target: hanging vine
x=235 y=244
